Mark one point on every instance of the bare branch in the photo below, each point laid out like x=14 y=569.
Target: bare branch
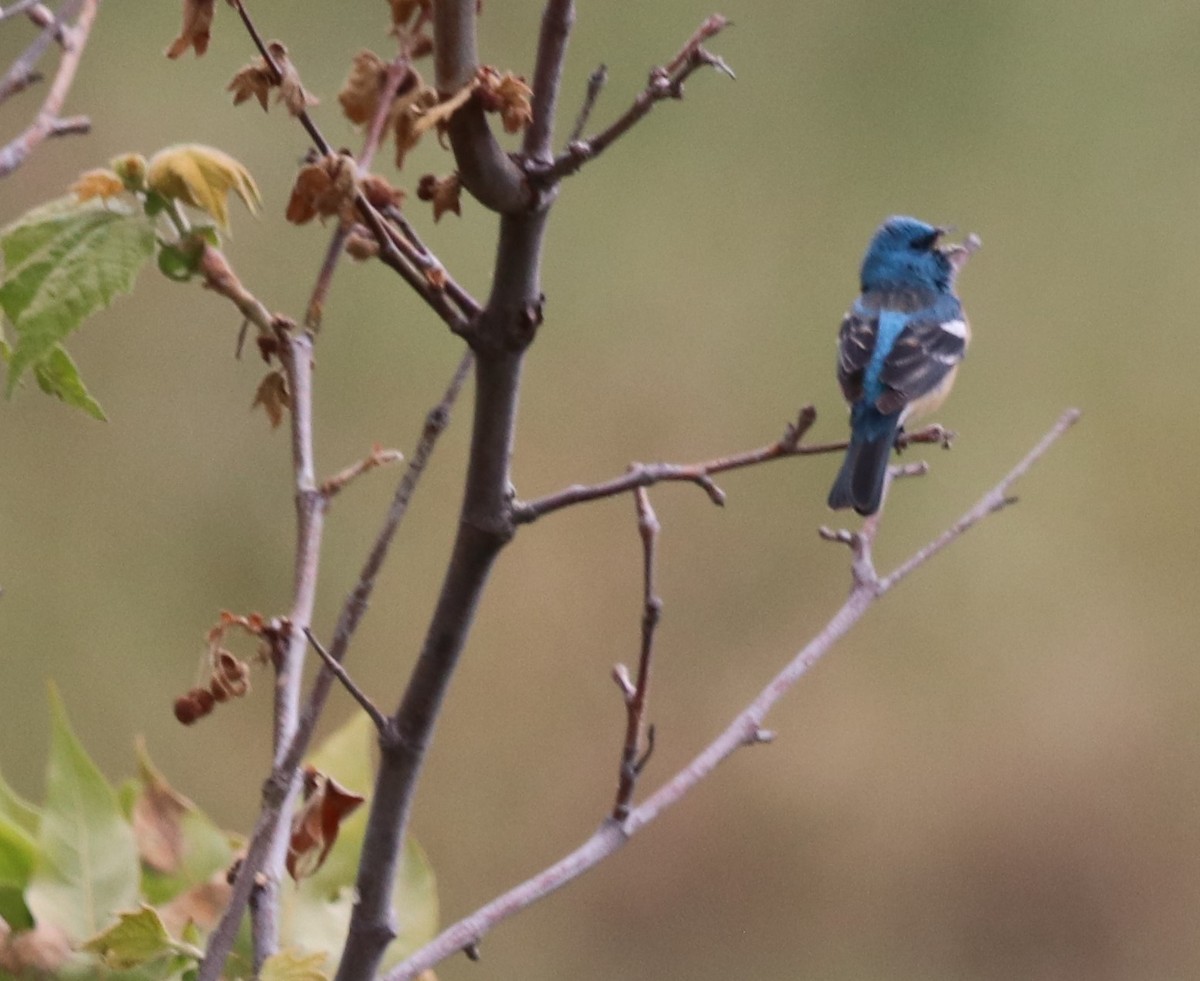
x=745 y=730
x=356 y=603
x=595 y=83
x=267 y=851
x=637 y=694
x=648 y=474
x=664 y=83
x=486 y=170
x=48 y=122
x=378 y=457
x=557 y=20
x=378 y=718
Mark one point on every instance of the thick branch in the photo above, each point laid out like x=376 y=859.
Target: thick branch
x=486 y=170
x=745 y=730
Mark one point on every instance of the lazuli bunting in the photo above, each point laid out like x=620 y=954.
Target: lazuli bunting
x=898 y=349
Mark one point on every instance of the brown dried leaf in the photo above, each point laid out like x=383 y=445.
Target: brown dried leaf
x=291 y=93
x=443 y=192
x=158 y=817
x=380 y=193
x=361 y=245
x=440 y=114
x=197 y=20
x=403 y=10
x=407 y=111
x=257 y=79
x=39 y=952
x=254 y=80
x=360 y=92
x=315 y=825
x=202 y=904
x=273 y=396
x=100 y=183
x=508 y=95
x=324 y=188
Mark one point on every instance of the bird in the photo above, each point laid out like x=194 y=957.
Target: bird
x=899 y=348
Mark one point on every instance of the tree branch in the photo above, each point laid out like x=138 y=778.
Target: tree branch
x=664 y=83
x=745 y=730
x=486 y=170
x=47 y=122
x=637 y=693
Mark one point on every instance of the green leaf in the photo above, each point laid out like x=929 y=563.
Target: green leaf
x=17 y=853
x=316 y=914
x=87 y=865
x=134 y=939
x=14 y=807
x=63 y=262
x=291 y=965
x=58 y=376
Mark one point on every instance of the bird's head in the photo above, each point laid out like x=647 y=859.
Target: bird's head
x=904 y=253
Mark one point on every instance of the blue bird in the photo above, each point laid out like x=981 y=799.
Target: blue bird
x=898 y=349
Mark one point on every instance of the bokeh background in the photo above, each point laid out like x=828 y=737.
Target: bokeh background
x=996 y=775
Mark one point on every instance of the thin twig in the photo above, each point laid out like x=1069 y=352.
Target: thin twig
x=267 y=851
x=47 y=120
x=397 y=72
x=378 y=718
x=745 y=730
x=664 y=83
x=637 y=694
x=356 y=603
x=378 y=457
x=648 y=474
x=595 y=84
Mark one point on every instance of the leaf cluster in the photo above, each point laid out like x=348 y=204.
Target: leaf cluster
x=125 y=881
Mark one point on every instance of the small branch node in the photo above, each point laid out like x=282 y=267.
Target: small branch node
x=378 y=457
x=472 y=951
x=596 y=82
x=640 y=764
x=918 y=468
x=620 y=674
x=761 y=736
x=842 y=535
x=795 y=432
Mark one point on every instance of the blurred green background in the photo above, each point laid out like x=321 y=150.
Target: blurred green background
x=996 y=776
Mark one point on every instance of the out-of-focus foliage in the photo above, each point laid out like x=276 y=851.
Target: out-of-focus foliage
x=995 y=776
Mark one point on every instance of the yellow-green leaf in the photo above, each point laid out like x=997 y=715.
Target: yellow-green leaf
x=134 y=939
x=87 y=867
x=292 y=965
x=202 y=176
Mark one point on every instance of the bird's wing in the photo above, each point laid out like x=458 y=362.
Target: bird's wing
x=933 y=341
x=856 y=341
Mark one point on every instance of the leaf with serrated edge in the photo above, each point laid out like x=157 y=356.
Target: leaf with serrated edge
x=291 y=965
x=87 y=865
x=58 y=376
x=63 y=262
x=134 y=939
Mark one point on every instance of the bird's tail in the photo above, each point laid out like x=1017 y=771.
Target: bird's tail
x=859 y=483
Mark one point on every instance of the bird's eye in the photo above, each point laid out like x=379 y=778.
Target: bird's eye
x=926 y=242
